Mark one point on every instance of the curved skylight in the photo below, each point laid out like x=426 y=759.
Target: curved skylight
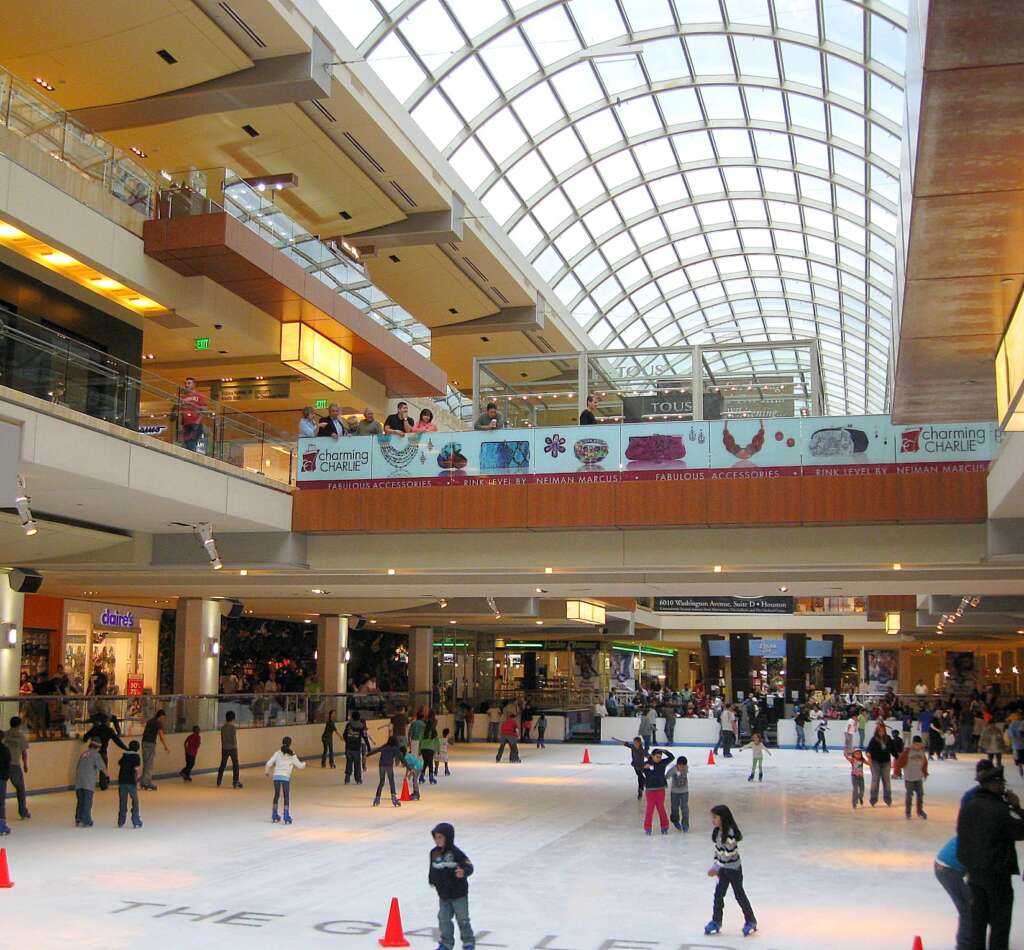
x=679 y=171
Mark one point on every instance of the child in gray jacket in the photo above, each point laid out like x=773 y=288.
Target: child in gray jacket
x=90 y=767
x=679 y=788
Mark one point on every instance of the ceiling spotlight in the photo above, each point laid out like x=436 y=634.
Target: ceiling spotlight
x=373 y=621
x=39 y=81
x=243 y=573
x=783 y=590
x=549 y=570
x=442 y=603
x=316 y=590
x=539 y=623
x=540 y=590
x=391 y=571
x=138 y=151
x=717 y=568
x=22 y=503
x=896 y=566
x=451 y=621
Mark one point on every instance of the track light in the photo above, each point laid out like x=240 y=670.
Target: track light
x=205 y=532
x=22 y=503
x=442 y=603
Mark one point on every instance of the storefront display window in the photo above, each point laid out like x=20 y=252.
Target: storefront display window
x=118 y=642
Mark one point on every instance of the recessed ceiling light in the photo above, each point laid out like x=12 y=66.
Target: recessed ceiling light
x=59 y=258
x=549 y=570
x=451 y=621
x=243 y=573
x=138 y=151
x=717 y=568
x=307 y=620
x=783 y=590
x=539 y=622
x=9 y=231
x=897 y=566
x=391 y=570
x=316 y=590
x=373 y=621
x=39 y=81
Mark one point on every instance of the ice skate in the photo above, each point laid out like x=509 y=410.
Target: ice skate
x=712 y=928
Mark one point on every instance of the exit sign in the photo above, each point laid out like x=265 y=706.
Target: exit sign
x=320 y=404
x=202 y=342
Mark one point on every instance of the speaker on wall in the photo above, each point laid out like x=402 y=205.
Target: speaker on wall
x=236 y=611
x=24 y=580
x=358 y=624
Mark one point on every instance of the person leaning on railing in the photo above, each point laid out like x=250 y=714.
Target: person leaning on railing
x=333 y=426
x=490 y=418
x=192 y=406
x=309 y=424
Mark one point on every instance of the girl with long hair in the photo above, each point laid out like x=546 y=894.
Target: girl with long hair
x=282 y=762
x=726 y=836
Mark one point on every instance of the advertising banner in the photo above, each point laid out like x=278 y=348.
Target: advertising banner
x=947 y=446
x=576 y=454
x=664 y=450
x=585 y=669
x=882 y=670
x=963 y=675
x=623 y=676
x=848 y=445
x=755 y=448
x=133 y=685
x=324 y=463
x=724 y=605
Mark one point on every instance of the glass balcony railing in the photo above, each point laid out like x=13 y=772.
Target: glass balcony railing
x=28 y=113
x=41 y=362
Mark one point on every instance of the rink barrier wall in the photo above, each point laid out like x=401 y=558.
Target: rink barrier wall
x=52 y=764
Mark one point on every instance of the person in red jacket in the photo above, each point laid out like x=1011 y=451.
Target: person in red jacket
x=192 y=743
x=192 y=405
x=510 y=738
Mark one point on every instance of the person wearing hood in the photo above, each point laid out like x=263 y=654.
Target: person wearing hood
x=989 y=823
x=449 y=873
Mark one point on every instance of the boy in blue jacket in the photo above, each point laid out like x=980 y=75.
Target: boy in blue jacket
x=449 y=870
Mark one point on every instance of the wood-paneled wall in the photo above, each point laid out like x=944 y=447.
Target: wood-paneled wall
x=903 y=498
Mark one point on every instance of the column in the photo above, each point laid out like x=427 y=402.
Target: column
x=197 y=662
x=12 y=609
x=421 y=665
x=332 y=663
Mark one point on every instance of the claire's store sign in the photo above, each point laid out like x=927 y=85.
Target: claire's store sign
x=116 y=618
x=744 y=448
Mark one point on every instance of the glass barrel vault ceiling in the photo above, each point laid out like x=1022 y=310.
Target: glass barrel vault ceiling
x=680 y=171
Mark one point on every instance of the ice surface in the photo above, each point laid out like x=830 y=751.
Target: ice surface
x=562 y=863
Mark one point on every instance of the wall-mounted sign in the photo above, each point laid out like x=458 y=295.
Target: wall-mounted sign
x=241 y=392
x=123 y=619
x=724 y=605
x=771 y=649
x=201 y=342
x=152 y=429
x=320 y=404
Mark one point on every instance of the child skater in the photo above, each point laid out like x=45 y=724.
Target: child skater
x=856 y=760
x=542 y=727
x=429 y=746
x=679 y=791
x=128 y=785
x=192 y=743
x=413 y=767
x=442 y=753
x=727 y=868
x=449 y=868
x=637 y=759
x=757 y=749
x=822 y=733
x=914 y=764
x=390 y=755
x=655 y=783
x=281 y=763
x=897 y=748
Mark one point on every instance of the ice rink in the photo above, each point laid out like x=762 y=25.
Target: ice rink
x=561 y=861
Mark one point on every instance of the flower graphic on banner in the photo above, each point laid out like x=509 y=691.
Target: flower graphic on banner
x=554 y=445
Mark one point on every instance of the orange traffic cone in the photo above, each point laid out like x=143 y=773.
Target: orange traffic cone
x=404 y=797
x=917 y=944
x=394 y=934
x=586 y=757
x=5 y=877
x=711 y=757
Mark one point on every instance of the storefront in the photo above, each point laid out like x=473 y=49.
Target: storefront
x=120 y=641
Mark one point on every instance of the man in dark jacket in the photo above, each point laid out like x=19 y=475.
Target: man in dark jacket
x=988 y=825
x=357 y=744
x=104 y=734
x=449 y=869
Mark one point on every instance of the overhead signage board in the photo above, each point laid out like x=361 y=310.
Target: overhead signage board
x=721 y=604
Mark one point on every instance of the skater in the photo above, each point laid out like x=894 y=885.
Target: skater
x=879 y=756
x=90 y=767
x=952 y=875
x=282 y=762
x=728 y=734
x=669 y=715
x=898 y=746
x=637 y=759
x=757 y=749
x=849 y=732
x=327 y=740
x=153 y=730
x=229 y=750
x=1016 y=730
x=821 y=735
x=991 y=742
x=127 y=785
x=856 y=759
x=727 y=868
x=390 y=755
x=429 y=746
x=949 y=739
x=862 y=725
x=648 y=726
x=679 y=792
x=17 y=745
x=510 y=738
x=800 y=722
x=5 y=768
x=442 y=752
x=413 y=767
x=493 y=722
x=103 y=733
x=913 y=762
x=988 y=825
x=655 y=783
x=526 y=723
x=542 y=727
x=357 y=745
x=192 y=743
x=416 y=732
x=449 y=869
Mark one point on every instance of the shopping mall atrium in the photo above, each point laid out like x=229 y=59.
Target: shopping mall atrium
x=575 y=370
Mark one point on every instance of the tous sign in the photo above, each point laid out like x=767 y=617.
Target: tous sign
x=117 y=619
